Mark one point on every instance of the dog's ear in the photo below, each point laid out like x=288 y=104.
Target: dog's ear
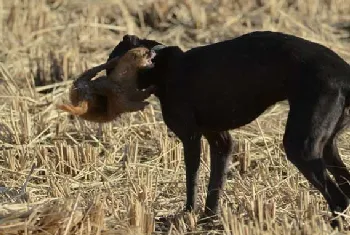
x=131 y=40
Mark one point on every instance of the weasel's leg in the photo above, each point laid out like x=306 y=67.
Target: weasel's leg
x=133 y=106
x=103 y=86
x=142 y=95
x=90 y=73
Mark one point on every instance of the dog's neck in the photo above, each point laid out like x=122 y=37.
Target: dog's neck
x=151 y=77
x=165 y=64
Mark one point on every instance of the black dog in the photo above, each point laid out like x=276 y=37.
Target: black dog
x=208 y=90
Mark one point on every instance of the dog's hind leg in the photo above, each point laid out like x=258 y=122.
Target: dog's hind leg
x=311 y=121
x=332 y=157
x=220 y=149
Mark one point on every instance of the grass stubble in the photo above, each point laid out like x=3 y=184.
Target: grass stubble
x=62 y=175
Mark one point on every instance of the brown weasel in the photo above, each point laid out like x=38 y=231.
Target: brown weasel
x=105 y=98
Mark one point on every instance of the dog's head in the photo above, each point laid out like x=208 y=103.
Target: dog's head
x=163 y=61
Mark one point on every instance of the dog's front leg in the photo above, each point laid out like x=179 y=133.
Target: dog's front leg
x=220 y=151
x=181 y=121
x=192 y=149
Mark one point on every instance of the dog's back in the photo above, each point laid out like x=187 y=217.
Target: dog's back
x=255 y=70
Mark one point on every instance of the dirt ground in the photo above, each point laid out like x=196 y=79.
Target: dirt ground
x=61 y=175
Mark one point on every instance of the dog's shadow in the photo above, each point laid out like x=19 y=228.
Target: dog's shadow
x=187 y=222
x=6 y=134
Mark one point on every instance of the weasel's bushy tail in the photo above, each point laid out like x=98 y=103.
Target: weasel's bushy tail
x=75 y=110
x=85 y=77
x=80 y=89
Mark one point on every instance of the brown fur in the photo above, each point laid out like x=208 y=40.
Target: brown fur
x=105 y=98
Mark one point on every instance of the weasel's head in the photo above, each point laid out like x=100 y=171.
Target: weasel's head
x=140 y=57
x=128 y=43
x=164 y=65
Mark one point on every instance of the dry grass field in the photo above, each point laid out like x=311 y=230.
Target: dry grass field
x=61 y=175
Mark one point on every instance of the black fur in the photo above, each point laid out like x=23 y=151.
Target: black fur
x=211 y=89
